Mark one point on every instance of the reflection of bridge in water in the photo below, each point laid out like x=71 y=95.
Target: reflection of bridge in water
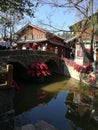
x=20 y=59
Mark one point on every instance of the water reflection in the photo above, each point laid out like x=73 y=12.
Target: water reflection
x=66 y=104
x=83 y=109
x=35 y=94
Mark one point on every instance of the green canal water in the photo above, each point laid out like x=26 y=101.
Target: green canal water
x=64 y=103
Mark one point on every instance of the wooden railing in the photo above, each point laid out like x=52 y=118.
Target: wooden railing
x=6 y=75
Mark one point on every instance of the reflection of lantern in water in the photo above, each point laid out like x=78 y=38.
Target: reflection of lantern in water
x=76 y=98
x=92 y=95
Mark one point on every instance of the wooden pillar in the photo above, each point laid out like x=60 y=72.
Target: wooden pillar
x=10 y=74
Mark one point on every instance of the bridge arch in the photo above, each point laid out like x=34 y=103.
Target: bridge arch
x=19 y=70
x=52 y=65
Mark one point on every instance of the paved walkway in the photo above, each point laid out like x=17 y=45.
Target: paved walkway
x=40 y=125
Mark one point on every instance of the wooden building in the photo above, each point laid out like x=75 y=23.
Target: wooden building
x=35 y=38
x=86 y=36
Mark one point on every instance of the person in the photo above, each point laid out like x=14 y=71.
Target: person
x=8 y=45
x=3 y=44
x=23 y=48
x=95 y=58
x=39 y=48
x=0 y=44
x=44 y=48
x=71 y=53
x=56 y=50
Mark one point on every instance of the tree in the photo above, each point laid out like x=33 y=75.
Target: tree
x=7 y=23
x=22 y=6
x=11 y=12
x=85 y=9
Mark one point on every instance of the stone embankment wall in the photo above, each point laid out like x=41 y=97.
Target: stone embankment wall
x=71 y=72
x=90 y=79
x=7 y=93
x=7 y=108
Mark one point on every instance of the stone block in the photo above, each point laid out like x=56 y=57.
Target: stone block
x=28 y=127
x=43 y=125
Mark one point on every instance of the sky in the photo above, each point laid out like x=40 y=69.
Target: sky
x=60 y=18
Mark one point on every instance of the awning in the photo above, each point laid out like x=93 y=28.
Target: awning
x=56 y=43
x=71 y=39
x=31 y=41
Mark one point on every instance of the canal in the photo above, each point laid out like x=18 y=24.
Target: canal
x=64 y=103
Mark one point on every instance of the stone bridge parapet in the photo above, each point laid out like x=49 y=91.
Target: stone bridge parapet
x=25 y=57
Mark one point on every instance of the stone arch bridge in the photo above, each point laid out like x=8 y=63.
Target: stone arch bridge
x=20 y=59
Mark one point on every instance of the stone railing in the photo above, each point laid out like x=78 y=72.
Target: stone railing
x=25 y=57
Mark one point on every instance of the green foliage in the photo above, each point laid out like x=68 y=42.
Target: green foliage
x=22 y=6
x=96 y=31
x=11 y=12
